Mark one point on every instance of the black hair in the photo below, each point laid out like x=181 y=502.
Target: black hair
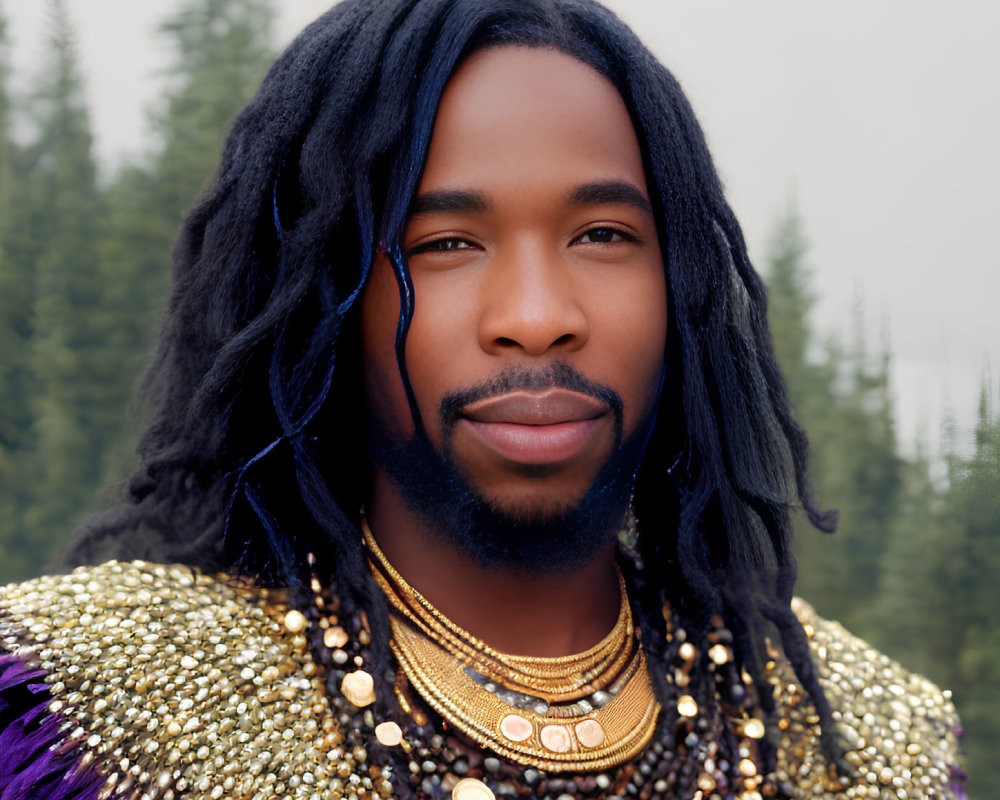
x=255 y=456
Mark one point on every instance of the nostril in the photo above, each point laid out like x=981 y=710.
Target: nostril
x=566 y=338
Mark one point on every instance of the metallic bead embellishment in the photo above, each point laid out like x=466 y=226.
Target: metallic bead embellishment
x=686 y=706
x=388 y=734
x=295 y=621
x=472 y=789
x=182 y=685
x=719 y=653
x=334 y=637
x=177 y=684
x=359 y=688
x=753 y=729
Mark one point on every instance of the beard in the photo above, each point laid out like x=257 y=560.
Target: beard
x=544 y=539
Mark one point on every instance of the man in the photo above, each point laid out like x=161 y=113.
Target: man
x=467 y=363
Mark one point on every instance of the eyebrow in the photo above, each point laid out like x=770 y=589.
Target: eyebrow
x=610 y=192
x=587 y=194
x=450 y=200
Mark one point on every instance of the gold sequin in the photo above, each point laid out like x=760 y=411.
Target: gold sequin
x=175 y=684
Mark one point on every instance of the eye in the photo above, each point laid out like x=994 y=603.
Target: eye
x=605 y=234
x=447 y=244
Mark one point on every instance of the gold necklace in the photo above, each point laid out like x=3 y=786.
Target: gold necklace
x=583 y=712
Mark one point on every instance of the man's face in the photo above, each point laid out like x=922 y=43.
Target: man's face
x=537 y=340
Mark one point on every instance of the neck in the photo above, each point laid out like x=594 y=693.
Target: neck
x=550 y=615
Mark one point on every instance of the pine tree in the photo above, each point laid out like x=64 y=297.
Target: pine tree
x=842 y=399
x=975 y=506
x=16 y=290
x=222 y=49
x=68 y=360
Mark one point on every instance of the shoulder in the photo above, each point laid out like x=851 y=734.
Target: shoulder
x=156 y=675
x=898 y=728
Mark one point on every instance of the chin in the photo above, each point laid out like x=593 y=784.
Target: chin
x=530 y=507
x=529 y=532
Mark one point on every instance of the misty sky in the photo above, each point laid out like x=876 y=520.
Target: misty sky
x=878 y=119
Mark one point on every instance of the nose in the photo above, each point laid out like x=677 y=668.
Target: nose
x=531 y=304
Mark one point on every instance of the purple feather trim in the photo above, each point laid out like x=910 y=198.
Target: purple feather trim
x=37 y=761
x=957 y=782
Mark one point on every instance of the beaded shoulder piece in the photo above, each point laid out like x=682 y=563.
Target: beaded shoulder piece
x=900 y=730
x=147 y=681
x=172 y=684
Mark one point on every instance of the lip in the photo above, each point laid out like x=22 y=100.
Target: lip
x=537 y=428
x=547 y=407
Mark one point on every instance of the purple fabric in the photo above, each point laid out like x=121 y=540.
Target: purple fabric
x=37 y=762
x=957 y=783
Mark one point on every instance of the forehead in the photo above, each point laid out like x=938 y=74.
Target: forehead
x=513 y=111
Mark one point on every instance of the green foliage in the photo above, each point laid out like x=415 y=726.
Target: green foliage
x=84 y=269
x=913 y=566
x=52 y=337
x=842 y=399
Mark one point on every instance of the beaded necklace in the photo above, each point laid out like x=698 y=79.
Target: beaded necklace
x=421 y=753
x=575 y=713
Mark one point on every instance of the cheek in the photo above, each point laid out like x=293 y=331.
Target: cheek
x=638 y=325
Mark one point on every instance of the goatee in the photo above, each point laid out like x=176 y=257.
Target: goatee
x=530 y=542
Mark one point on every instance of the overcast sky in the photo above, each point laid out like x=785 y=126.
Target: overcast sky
x=880 y=119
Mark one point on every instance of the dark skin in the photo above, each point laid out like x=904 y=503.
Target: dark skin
x=531 y=242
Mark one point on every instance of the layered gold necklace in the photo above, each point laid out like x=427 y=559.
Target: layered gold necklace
x=580 y=713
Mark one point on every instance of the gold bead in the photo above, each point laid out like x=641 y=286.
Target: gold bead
x=334 y=637
x=686 y=706
x=747 y=768
x=295 y=621
x=753 y=729
x=719 y=653
x=359 y=688
x=472 y=789
x=388 y=734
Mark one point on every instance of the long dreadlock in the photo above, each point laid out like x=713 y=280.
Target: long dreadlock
x=255 y=454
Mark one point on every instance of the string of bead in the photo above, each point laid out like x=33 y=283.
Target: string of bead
x=564 y=677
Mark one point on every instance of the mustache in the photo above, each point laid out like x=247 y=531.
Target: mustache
x=559 y=375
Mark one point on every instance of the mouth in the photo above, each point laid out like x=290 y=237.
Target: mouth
x=536 y=427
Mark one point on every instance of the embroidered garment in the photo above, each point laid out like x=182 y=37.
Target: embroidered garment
x=148 y=681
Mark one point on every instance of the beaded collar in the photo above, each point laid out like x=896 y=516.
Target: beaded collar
x=426 y=751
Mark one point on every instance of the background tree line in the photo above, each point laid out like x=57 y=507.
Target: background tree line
x=84 y=270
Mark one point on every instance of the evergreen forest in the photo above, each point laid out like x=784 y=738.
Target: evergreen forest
x=84 y=272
